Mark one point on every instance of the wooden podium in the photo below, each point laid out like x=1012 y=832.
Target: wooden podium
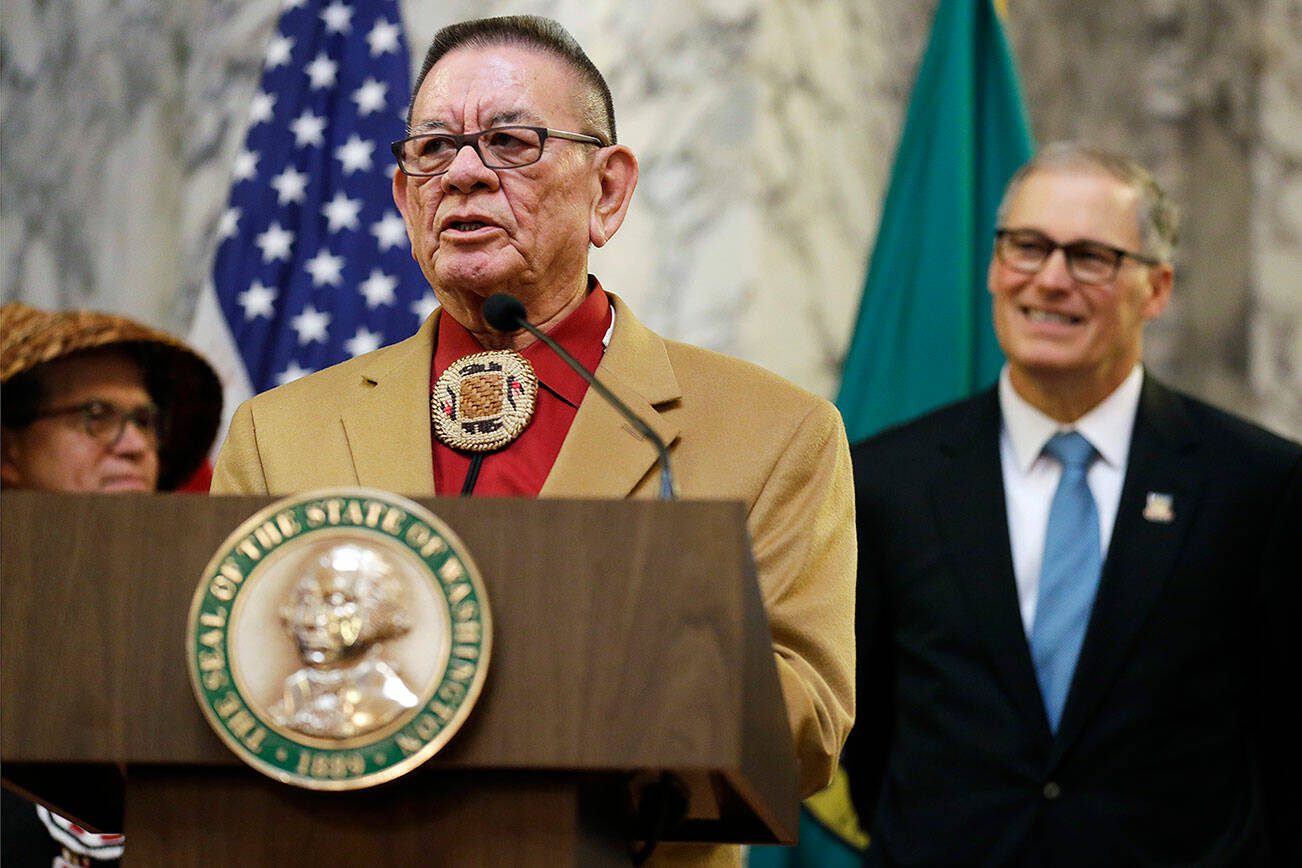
x=629 y=641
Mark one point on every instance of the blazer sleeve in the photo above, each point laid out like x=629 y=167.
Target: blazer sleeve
x=239 y=463
x=802 y=528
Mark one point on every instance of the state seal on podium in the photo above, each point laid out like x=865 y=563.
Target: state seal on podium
x=339 y=638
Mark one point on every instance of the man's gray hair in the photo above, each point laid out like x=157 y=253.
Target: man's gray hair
x=1159 y=218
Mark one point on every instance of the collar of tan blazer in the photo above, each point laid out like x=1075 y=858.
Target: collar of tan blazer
x=388 y=430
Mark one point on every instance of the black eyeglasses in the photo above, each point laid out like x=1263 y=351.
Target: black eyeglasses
x=430 y=154
x=1026 y=251
x=105 y=422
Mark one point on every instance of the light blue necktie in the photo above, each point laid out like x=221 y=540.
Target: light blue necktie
x=1069 y=575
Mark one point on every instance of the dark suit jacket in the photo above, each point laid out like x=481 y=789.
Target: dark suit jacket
x=1178 y=743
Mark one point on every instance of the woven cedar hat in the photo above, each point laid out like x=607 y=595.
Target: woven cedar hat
x=179 y=379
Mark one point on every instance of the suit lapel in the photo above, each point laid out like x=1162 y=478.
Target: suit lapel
x=603 y=456
x=1143 y=549
x=969 y=506
x=388 y=426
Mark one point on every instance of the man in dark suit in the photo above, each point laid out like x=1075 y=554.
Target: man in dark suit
x=1078 y=604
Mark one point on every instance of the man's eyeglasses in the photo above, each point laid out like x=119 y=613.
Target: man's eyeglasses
x=1026 y=251
x=105 y=423
x=430 y=154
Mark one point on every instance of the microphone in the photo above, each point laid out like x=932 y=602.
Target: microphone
x=506 y=313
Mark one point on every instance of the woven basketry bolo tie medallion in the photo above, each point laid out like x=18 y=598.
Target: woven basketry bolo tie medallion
x=484 y=401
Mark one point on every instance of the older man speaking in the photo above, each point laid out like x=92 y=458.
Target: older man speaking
x=510 y=173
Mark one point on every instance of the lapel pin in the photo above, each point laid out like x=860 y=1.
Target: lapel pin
x=1158 y=508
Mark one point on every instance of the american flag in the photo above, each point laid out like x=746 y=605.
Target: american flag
x=313 y=264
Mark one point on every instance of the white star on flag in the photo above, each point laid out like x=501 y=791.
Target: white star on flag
x=337 y=17
x=383 y=38
x=279 y=50
x=389 y=231
x=262 y=108
x=258 y=300
x=326 y=269
x=290 y=186
x=378 y=288
x=370 y=97
x=321 y=72
x=356 y=155
x=275 y=243
x=363 y=342
x=341 y=212
x=246 y=166
x=308 y=129
x=295 y=371
x=229 y=223
x=311 y=325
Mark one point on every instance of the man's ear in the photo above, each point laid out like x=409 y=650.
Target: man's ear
x=992 y=270
x=400 y=193
x=1161 y=278
x=616 y=177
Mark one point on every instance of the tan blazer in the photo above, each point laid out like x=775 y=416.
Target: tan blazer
x=735 y=432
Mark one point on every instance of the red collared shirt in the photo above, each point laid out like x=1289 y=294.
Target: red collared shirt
x=520 y=468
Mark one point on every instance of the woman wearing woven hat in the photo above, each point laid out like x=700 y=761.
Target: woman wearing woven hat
x=93 y=402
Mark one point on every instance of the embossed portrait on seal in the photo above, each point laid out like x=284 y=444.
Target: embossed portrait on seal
x=349 y=601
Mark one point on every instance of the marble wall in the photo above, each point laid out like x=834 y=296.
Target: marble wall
x=1210 y=95
x=765 y=128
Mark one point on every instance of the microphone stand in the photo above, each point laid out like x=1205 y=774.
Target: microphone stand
x=505 y=312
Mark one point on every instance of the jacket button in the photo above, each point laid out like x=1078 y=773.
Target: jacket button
x=1052 y=791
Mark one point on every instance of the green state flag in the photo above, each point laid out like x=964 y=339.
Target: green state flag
x=923 y=336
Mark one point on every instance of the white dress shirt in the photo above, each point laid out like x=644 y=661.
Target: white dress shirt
x=1031 y=478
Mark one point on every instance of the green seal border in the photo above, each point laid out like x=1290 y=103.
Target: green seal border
x=389 y=753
